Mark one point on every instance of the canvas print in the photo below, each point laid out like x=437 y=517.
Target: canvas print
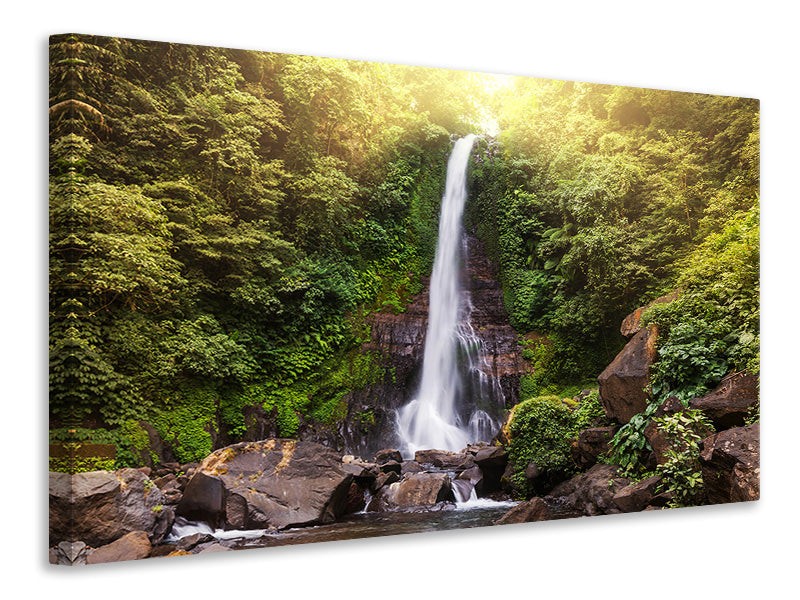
x=297 y=299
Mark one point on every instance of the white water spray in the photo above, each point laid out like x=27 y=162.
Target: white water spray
x=433 y=418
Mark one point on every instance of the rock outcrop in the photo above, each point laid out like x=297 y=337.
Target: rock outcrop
x=416 y=490
x=592 y=493
x=632 y=324
x=590 y=444
x=623 y=383
x=100 y=507
x=532 y=510
x=275 y=483
x=729 y=462
x=730 y=402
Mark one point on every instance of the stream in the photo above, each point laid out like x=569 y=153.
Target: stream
x=480 y=512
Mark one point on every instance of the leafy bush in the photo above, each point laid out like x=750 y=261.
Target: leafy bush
x=681 y=474
x=629 y=446
x=542 y=430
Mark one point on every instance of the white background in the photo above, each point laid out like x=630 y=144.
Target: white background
x=732 y=48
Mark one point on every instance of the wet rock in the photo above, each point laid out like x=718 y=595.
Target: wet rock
x=623 y=383
x=410 y=466
x=360 y=469
x=442 y=459
x=637 y=496
x=729 y=461
x=730 y=402
x=474 y=476
x=392 y=466
x=131 y=546
x=592 y=493
x=491 y=457
x=190 y=541
x=416 y=490
x=535 y=509
x=387 y=455
x=590 y=444
x=272 y=483
x=99 y=507
x=384 y=479
x=355 y=500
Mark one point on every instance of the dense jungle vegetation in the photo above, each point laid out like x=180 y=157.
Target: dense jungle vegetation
x=223 y=221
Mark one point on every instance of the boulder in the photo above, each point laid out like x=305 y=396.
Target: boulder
x=445 y=460
x=383 y=479
x=131 y=546
x=360 y=469
x=590 y=444
x=532 y=472
x=631 y=324
x=532 y=510
x=416 y=490
x=491 y=457
x=276 y=483
x=592 y=493
x=728 y=405
x=637 y=496
x=71 y=553
x=410 y=466
x=387 y=455
x=729 y=461
x=356 y=500
x=475 y=478
x=624 y=382
x=99 y=507
x=391 y=466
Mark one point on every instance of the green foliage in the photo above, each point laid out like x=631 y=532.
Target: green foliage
x=542 y=429
x=713 y=327
x=593 y=198
x=680 y=472
x=629 y=447
x=223 y=223
x=187 y=422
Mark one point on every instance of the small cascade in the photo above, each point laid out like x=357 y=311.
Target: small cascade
x=456 y=395
x=464 y=490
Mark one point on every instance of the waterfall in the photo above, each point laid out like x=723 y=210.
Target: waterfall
x=444 y=413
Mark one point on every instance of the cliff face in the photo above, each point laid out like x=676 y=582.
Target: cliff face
x=490 y=321
x=400 y=340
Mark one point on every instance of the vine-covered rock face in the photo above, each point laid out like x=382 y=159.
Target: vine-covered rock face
x=275 y=483
x=623 y=383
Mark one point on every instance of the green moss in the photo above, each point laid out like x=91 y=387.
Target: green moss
x=186 y=420
x=542 y=430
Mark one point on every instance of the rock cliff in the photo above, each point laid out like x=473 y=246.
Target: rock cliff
x=400 y=340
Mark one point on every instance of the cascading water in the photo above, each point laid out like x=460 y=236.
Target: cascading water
x=445 y=415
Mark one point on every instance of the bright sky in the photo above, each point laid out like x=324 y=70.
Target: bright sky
x=492 y=83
